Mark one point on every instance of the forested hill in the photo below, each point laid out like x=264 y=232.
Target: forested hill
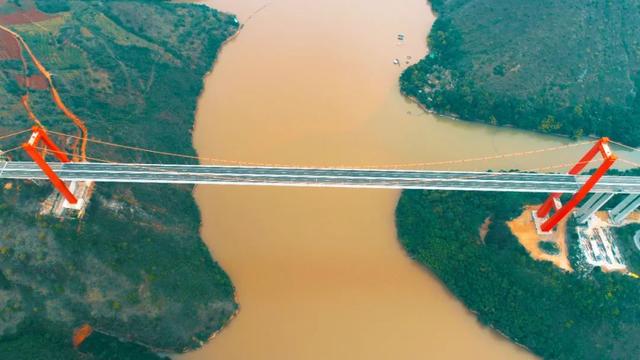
x=586 y=314
x=569 y=67
x=135 y=268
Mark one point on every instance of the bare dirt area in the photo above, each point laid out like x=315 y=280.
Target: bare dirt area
x=484 y=228
x=9 y=47
x=524 y=229
x=35 y=82
x=634 y=217
x=24 y=17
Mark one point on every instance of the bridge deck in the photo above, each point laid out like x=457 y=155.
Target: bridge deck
x=318 y=177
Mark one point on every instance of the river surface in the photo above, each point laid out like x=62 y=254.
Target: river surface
x=319 y=273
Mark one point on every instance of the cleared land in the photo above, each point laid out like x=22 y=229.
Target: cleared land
x=525 y=230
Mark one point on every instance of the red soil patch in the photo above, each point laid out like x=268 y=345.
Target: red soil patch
x=36 y=82
x=24 y=17
x=524 y=229
x=80 y=334
x=9 y=47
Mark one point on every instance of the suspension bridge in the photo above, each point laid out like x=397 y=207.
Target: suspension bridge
x=65 y=174
x=319 y=177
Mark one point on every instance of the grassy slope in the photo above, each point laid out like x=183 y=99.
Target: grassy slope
x=136 y=266
x=582 y=315
x=567 y=67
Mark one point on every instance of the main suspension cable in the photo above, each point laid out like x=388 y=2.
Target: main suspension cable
x=205 y=176
x=397 y=165
x=6 y=136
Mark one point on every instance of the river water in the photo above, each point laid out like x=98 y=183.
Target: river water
x=319 y=273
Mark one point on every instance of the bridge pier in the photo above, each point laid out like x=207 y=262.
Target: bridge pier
x=626 y=207
x=595 y=203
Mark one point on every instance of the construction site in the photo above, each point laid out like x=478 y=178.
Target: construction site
x=596 y=240
x=598 y=243
x=544 y=233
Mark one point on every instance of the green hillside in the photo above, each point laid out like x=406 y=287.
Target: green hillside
x=135 y=267
x=568 y=67
x=586 y=314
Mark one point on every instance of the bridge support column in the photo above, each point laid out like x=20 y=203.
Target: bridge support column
x=601 y=147
x=626 y=207
x=31 y=148
x=595 y=203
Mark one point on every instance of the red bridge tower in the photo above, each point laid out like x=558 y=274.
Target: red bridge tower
x=31 y=147
x=553 y=201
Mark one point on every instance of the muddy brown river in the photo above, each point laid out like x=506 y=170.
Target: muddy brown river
x=319 y=273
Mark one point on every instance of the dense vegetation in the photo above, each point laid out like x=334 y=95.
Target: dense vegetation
x=135 y=267
x=586 y=314
x=107 y=347
x=569 y=67
x=39 y=340
x=549 y=247
x=627 y=246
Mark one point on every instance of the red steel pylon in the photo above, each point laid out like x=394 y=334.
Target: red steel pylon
x=553 y=201
x=38 y=135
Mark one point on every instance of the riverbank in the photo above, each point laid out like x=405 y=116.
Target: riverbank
x=499 y=65
x=499 y=283
x=135 y=267
x=315 y=269
x=554 y=313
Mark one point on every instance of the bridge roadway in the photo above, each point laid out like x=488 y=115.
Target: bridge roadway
x=320 y=177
